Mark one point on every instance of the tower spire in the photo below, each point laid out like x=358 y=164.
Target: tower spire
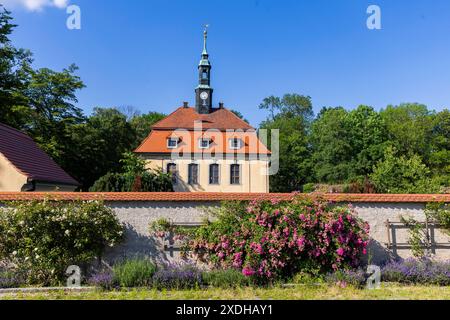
x=203 y=92
x=205 y=40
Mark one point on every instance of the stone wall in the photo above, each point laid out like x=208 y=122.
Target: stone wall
x=138 y=210
x=138 y=215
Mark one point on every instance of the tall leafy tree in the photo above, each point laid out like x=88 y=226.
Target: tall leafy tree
x=14 y=68
x=142 y=124
x=332 y=146
x=369 y=140
x=409 y=128
x=403 y=174
x=347 y=144
x=439 y=158
x=101 y=141
x=51 y=98
x=291 y=115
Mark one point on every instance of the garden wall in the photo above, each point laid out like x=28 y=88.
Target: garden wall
x=138 y=210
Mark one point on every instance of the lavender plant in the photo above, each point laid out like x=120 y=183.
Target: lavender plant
x=417 y=271
x=177 y=276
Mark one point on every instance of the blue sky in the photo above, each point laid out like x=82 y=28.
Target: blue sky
x=145 y=53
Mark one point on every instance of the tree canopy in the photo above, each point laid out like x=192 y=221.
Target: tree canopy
x=404 y=148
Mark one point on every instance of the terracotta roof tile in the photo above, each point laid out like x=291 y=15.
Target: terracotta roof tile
x=24 y=154
x=185 y=118
x=157 y=142
x=204 y=197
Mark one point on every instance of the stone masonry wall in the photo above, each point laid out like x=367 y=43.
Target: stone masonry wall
x=137 y=215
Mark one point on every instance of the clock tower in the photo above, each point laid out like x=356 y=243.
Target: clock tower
x=203 y=92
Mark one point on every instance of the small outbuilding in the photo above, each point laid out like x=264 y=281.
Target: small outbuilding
x=24 y=167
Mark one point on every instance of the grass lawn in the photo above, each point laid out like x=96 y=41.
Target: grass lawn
x=387 y=292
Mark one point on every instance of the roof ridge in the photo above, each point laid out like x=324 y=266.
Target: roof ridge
x=176 y=110
x=237 y=117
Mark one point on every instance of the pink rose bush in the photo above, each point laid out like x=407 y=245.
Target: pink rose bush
x=274 y=240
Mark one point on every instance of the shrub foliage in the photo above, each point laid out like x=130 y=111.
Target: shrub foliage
x=270 y=240
x=133 y=273
x=41 y=239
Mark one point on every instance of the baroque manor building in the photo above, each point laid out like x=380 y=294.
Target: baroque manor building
x=207 y=149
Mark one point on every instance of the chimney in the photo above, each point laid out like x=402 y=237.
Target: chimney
x=185 y=104
x=221 y=105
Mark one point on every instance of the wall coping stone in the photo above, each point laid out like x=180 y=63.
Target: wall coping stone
x=217 y=196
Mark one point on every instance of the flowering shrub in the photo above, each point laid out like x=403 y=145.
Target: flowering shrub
x=422 y=271
x=270 y=240
x=174 y=276
x=43 y=238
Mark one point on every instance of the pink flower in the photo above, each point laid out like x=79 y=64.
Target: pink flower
x=248 y=271
x=340 y=251
x=301 y=242
x=225 y=245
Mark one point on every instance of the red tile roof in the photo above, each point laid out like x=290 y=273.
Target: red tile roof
x=185 y=118
x=24 y=154
x=219 y=142
x=204 y=197
x=189 y=126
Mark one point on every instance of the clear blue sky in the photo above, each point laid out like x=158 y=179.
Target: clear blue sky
x=145 y=53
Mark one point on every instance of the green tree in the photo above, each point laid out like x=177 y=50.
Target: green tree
x=291 y=115
x=347 y=144
x=142 y=124
x=439 y=159
x=51 y=97
x=100 y=143
x=400 y=174
x=332 y=146
x=409 y=128
x=368 y=139
x=14 y=68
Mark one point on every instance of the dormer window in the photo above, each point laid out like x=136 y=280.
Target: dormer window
x=235 y=144
x=204 y=143
x=172 y=143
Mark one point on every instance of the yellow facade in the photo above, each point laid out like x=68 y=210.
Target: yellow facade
x=253 y=174
x=11 y=180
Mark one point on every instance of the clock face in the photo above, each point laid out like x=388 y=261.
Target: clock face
x=204 y=95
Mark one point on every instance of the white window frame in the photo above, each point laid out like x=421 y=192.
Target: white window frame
x=172 y=139
x=200 y=141
x=232 y=146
